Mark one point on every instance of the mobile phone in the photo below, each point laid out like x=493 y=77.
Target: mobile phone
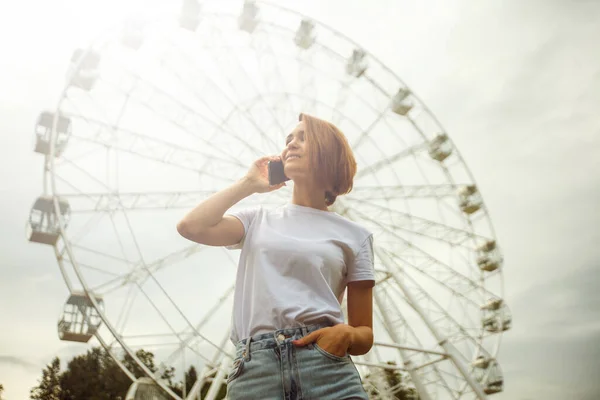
x=276 y=174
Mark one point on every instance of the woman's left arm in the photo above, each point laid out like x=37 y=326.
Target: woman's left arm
x=360 y=317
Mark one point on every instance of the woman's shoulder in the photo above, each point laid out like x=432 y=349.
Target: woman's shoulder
x=342 y=223
x=354 y=226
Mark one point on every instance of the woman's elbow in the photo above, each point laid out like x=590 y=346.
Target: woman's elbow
x=183 y=228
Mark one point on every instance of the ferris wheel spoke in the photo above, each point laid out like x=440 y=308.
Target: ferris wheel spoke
x=426 y=304
x=268 y=68
x=273 y=82
x=307 y=79
x=340 y=101
x=268 y=63
x=448 y=285
x=445 y=276
x=171 y=328
x=151 y=276
x=203 y=321
x=125 y=309
x=386 y=162
x=394 y=322
x=398 y=221
x=87 y=174
x=366 y=75
x=230 y=102
x=111 y=350
x=138 y=274
x=330 y=52
x=365 y=133
x=174 y=110
x=145 y=343
x=366 y=193
x=134 y=201
x=147 y=146
x=438 y=312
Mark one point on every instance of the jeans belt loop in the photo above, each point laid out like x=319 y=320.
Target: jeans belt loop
x=246 y=354
x=304 y=333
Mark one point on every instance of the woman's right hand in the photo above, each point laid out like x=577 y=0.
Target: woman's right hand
x=258 y=175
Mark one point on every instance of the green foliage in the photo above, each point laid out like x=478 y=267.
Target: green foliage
x=205 y=389
x=49 y=387
x=146 y=357
x=396 y=381
x=191 y=376
x=96 y=376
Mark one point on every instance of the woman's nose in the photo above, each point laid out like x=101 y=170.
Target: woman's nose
x=290 y=146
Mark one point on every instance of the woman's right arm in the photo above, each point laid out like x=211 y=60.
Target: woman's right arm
x=206 y=223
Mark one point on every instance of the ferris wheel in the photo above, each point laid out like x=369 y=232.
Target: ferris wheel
x=159 y=113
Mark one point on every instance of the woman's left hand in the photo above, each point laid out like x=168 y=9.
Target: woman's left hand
x=335 y=340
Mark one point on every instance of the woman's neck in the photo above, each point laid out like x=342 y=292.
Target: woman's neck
x=309 y=197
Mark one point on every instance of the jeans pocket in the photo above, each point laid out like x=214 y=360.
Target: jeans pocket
x=329 y=355
x=236 y=370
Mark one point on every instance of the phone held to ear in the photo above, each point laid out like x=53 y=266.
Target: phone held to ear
x=276 y=174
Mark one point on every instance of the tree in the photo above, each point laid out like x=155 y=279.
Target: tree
x=222 y=390
x=49 y=387
x=191 y=376
x=96 y=376
x=93 y=376
x=146 y=357
x=396 y=381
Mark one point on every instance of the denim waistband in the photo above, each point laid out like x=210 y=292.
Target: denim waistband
x=275 y=338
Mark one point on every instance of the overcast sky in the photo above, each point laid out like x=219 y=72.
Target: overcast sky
x=515 y=83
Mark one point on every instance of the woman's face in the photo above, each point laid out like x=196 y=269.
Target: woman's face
x=295 y=154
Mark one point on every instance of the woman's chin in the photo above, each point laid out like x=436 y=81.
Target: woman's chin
x=293 y=174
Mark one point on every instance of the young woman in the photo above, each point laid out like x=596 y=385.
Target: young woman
x=296 y=262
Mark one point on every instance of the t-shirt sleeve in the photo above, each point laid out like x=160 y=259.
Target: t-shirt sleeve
x=363 y=269
x=246 y=217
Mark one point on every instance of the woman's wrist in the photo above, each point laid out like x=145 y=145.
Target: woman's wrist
x=361 y=339
x=247 y=186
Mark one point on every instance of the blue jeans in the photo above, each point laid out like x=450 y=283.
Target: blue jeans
x=269 y=367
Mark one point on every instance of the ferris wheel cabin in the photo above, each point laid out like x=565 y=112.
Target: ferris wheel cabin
x=440 y=147
x=84 y=67
x=304 y=35
x=356 y=64
x=43 y=225
x=145 y=389
x=401 y=105
x=496 y=316
x=489 y=257
x=248 y=19
x=488 y=373
x=132 y=35
x=79 y=320
x=470 y=199
x=189 y=18
x=43 y=133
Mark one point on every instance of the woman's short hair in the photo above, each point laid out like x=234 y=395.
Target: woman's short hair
x=330 y=156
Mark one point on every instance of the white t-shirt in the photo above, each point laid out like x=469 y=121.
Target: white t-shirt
x=294 y=266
